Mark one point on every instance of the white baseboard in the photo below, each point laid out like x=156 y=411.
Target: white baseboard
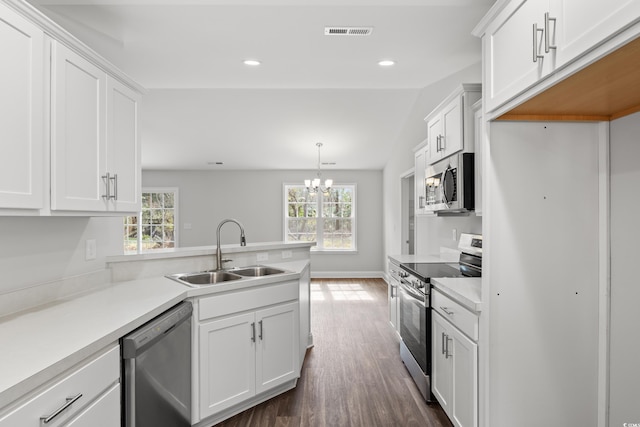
x=347 y=274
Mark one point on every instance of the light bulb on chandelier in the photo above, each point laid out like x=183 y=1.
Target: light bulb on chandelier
x=313 y=185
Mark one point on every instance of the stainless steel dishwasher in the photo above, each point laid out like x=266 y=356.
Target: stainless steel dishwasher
x=157 y=371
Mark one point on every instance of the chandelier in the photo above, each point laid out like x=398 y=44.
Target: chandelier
x=313 y=186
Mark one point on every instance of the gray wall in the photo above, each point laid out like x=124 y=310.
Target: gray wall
x=255 y=198
x=433 y=232
x=625 y=291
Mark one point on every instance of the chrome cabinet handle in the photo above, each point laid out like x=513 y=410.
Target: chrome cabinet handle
x=261 y=336
x=447 y=354
x=443 y=342
x=70 y=401
x=442 y=146
x=253 y=332
x=536 y=54
x=547 y=34
x=114 y=178
x=107 y=180
x=447 y=312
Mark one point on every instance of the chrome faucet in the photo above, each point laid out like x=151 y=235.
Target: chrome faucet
x=243 y=241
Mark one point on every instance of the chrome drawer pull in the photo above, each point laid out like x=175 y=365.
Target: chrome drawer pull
x=447 y=312
x=547 y=37
x=107 y=180
x=536 y=52
x=261 y=334
x=70 y=401
x=253 y=332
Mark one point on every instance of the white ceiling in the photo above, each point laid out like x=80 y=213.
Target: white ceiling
x=205 y=105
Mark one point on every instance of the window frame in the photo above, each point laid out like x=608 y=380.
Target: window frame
x=176 y=222
x=319 y=247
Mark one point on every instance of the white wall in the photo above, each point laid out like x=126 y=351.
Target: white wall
x=255 y=198
x=36 y=250
x=542 y=265
x=435 y=232
x=625 y=290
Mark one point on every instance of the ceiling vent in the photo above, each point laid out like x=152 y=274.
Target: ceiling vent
x=347 y=31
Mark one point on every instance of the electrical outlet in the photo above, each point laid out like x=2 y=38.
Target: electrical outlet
x=286 y=254
x=454 y=235
x=262 y=256
x=90 y=250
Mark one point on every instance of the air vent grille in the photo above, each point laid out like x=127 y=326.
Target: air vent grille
x=348 y=31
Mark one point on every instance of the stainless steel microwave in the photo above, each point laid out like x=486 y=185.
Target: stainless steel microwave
x=449 y=184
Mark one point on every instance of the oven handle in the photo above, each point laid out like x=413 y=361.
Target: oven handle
x=413 y=293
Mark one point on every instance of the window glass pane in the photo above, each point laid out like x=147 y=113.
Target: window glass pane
x=169 y=200
x=156 y=200
x=146 y=200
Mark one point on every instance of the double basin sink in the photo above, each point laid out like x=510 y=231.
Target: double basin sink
x=205 y=278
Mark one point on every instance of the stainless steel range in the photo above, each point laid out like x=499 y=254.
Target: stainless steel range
x=415 y=306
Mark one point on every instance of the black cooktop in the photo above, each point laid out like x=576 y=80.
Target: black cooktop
x=426 y=271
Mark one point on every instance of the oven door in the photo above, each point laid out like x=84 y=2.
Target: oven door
x=415 y=325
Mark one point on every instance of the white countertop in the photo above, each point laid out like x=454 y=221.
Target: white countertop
x=465 y=290
x=441 y=257
x=41 y=343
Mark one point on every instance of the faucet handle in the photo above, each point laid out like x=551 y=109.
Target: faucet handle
x=226 y=260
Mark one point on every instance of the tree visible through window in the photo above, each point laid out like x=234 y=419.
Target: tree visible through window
x=154 y=228
x=325 y=218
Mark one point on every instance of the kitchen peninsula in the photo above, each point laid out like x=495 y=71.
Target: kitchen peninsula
x=50 y=341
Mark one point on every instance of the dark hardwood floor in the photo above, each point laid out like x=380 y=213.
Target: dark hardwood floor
x=353 y=376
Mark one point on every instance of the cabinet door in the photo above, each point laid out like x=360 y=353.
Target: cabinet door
x=465 y=379
x=78 y=132
x=104 y=412
x=435 y=133
x=441 y=363
x=227 y=362
x=583 y=24
x=451 y=141
x=123 y=147
x=277 y=352
x=478 y=143
x=509 y=51
x=418 y=181
x=21 y=112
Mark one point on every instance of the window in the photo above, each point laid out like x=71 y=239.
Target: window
x=329 y=219
x=154 y=228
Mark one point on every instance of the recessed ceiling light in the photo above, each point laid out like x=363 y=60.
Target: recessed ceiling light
x=386 y=63
x=251 y=62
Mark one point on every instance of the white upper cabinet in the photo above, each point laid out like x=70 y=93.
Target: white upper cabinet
x=21 y=112
x=450 y=124
x=78 y=143
x=580 y=25
x=123 y=147
x=512 y=53
x=526 y=41
x=86 y=154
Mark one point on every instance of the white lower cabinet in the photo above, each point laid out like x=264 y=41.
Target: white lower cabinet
x=88 y=396
x=454 y=374
x=245 y=353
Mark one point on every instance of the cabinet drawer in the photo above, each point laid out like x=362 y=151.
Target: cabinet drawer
x=90 y=380
x=455 y=313
x=249 y=299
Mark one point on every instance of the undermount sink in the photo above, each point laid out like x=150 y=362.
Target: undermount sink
x=205 y=278
x=257 y=270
